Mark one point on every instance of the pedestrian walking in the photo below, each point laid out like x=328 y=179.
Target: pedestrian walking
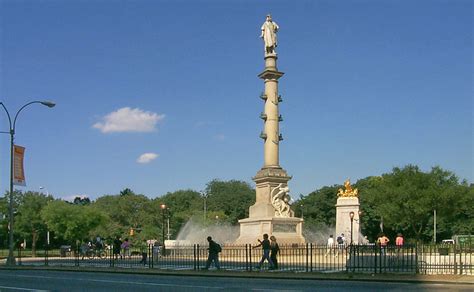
x=84 y=249
x=117 y=247
x=341 y=242
x=330 y=246
x=125 y=246
x=399 y=240
x=214 y=250
x=382 y=241
x=265 y=244
x=144 y=252
x=274 y=250
x=156 y=249
x=99 y=244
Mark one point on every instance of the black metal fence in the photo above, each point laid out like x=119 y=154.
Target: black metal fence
x=409 y=259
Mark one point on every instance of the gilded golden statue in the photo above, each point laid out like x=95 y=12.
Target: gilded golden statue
x=348 y=192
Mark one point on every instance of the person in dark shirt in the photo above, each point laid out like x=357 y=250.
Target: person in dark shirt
x=214 y=250
x=265 y=244
x=144 y=251
x=116 y=247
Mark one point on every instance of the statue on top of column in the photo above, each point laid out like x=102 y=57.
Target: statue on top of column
x=269 y=30
x=348 y=192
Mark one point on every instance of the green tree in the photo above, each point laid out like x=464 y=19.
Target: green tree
x=124 y=212
x=181 y=206
x=5 y=210
x=127 y=192
x=4 y=221
x=71 y=222
x=461 y=219
x=318 y=207
x=28 y=221
x=369 y=199
x=404 y=200
x=231 y=197
x=81 y=201
x=407 y=197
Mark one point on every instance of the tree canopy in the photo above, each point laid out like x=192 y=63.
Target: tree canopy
x=71 y=222
x=403 y=199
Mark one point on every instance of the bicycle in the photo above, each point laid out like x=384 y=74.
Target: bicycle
x=96 y=253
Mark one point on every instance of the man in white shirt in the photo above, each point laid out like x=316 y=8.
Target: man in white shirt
x=330 y=246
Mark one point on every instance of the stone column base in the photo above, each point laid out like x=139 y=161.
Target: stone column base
x=286 y=230
x=343 y=221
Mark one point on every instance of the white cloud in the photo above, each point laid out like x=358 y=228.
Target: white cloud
x=147 y=157
x=129 y=120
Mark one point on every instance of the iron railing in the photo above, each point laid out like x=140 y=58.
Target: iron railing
x=408 y=259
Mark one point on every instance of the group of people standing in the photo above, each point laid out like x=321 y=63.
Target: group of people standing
x=335 y=246
x=122 y=249
x=270 y=250
x=383 y=241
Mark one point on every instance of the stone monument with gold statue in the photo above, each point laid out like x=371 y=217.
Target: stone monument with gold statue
x=347 y=213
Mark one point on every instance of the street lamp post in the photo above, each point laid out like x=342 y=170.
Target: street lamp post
x=205 y=195
x=163 y=208
x=11 y=258
x=351 y=215
x=168 y=235
x=47 y=231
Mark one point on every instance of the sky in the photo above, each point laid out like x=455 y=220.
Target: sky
x=158 y=96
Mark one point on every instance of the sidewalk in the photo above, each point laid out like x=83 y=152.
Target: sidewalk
x=445 y=279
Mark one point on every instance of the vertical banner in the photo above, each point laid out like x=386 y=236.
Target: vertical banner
x=18 y=170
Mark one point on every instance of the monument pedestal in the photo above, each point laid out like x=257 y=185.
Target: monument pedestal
x=263 y=218
x=286 y=230
x=344 y=206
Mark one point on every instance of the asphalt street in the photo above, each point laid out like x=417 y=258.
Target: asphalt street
x=40 y=280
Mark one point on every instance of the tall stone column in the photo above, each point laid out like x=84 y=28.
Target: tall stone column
x=271 y=212
x=271 y=117
x=271 y=174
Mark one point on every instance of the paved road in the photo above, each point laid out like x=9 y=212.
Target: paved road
x=36 y=280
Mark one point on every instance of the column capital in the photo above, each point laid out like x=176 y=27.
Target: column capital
x=275 y=174
x=270 y=74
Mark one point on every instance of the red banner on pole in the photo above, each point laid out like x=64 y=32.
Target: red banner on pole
x=18 y=170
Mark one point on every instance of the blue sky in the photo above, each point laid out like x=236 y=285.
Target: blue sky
x=368 y=85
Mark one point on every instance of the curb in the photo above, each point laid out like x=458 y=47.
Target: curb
x=393 y=278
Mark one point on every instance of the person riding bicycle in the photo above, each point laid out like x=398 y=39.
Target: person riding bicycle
x=85 y=248
x=99 y=245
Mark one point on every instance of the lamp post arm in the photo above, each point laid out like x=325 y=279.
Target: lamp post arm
x=18 y=112
x=9 y=118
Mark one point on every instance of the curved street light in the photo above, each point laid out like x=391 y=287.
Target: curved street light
x=50 y=104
